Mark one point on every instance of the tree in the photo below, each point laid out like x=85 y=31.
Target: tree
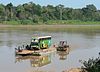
x=51 y=12
x=34 y=13
x=77 y=14
x=69 y=13
x=20 y=12
x=59 y=9
x=2 y=12
x=9 y=9
x=89 y=12
x=35 y=19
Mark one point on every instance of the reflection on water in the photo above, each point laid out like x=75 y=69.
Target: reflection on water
x=36 y=61
x=40 y=61
x=62 y=54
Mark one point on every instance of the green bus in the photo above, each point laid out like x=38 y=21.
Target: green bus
x=43 y=42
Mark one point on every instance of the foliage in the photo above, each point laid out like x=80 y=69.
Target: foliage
x=25 y=22
x=30 y=13
x=92 y=65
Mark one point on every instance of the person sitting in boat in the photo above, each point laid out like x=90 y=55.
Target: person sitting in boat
x=28 y=47
x=19 y=49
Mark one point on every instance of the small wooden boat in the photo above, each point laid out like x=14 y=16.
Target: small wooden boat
x=62 y=46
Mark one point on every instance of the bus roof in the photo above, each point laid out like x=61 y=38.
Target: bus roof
x=42 y=37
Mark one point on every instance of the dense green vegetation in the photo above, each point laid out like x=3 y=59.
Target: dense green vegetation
x=92 y=65
x=30 y=13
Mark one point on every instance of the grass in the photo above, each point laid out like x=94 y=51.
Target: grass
x=72 y=22
x=51 y=22
x=11 y=22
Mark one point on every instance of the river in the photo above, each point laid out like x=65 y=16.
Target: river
x=83 y=45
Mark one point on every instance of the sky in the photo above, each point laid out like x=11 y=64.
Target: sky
x=66 y=3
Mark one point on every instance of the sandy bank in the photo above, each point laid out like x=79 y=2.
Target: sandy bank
x=75 y=70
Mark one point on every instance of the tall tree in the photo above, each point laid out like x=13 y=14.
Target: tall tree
x=20 y=12
x=2 y=12
x=89 y=12
x=9 y=9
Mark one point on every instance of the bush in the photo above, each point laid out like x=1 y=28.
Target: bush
x=92 y=65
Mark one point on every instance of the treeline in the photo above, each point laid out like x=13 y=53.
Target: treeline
x=34 y=13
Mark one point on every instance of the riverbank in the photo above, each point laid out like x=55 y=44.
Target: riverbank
x=55 y=28
x=75 y=70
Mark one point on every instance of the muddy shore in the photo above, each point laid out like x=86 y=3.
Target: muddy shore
x=69 y=28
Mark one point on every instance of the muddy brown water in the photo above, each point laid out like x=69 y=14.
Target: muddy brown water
x=82 y=47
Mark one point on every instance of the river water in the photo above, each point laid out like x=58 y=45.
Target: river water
x=83 y=45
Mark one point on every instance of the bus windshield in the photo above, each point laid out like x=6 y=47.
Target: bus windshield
x=34 y=43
